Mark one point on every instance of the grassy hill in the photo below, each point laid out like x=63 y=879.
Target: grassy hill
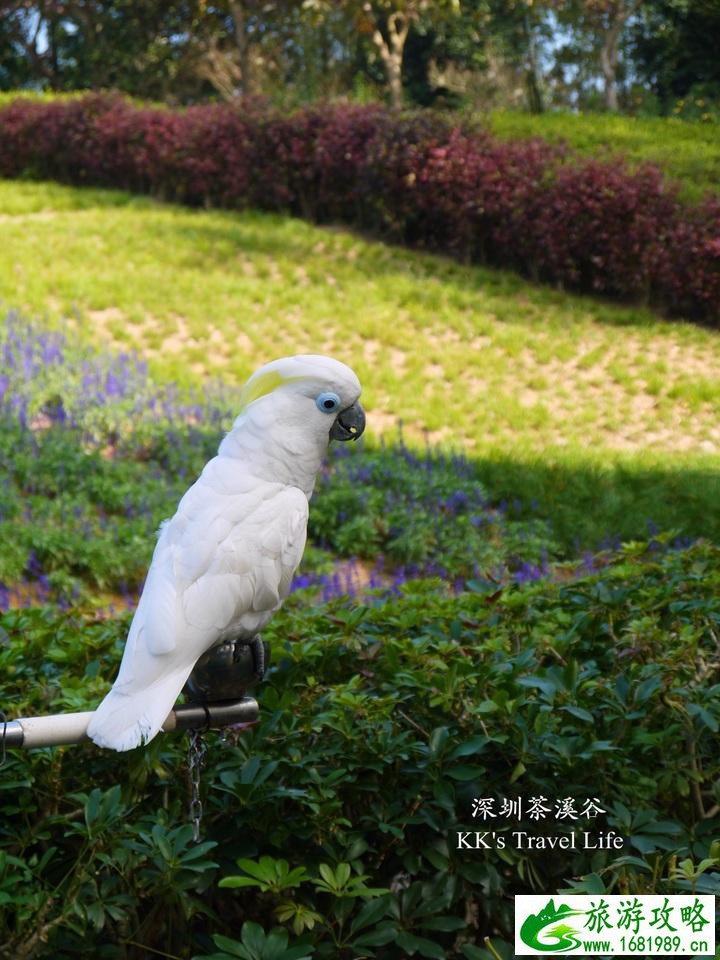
x=688 y=152
x=609 y=412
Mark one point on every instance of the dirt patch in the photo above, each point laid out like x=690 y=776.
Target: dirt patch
x=243 y=341
x=103 y=318
x=181 y=339
x=398 y=360
x=439 y=436
x=371 y=350
x=602 y=377
x=528 y=398
x=379 y=421
x=37 y=215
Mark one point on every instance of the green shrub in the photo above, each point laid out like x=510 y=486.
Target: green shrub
x=78 y=520
x=380 y=725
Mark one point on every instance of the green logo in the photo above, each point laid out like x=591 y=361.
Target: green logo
x=544 y=923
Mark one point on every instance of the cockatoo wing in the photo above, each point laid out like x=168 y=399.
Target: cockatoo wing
x=221 y=567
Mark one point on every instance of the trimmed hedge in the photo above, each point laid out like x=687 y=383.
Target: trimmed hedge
x=412 y=179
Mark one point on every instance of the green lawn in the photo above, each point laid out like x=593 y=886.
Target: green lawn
x=568 y=399
x=689 y=152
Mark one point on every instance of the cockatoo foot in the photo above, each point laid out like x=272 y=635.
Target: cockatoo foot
x=226 y=671
x=260 y=656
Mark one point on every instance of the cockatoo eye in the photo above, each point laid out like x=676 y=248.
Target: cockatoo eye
x=328 y=402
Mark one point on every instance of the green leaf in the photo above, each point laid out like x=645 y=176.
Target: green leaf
x=249 y=770
x=275 y=945
x=295 y=953
x=413 y=944
x=707 y=718
x=370 y=912
x=232 y=947
x=438 y=738
x=632 y=861
x=469 y=748
x=591 y=884
x=487 y=706
x=464 y=772
x=471 y=952
x=647 y=688
x=253 y=937
x=580 y=714
x=376 y=938
x=233 y=882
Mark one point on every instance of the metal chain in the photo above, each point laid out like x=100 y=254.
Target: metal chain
x=196 y=756
x=4 y=721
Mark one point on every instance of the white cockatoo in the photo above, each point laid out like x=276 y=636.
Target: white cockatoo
x=224 y=563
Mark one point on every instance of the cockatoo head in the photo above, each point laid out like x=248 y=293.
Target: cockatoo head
x=312 y=393
x=290 y=409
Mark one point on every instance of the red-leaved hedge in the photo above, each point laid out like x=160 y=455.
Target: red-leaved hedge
x=414 y=179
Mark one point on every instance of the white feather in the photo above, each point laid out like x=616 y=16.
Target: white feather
x=184 y=612
x=224 y=563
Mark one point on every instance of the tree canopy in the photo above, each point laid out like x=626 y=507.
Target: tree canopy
x=616 y=54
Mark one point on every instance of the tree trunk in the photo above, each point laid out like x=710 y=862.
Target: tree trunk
x=53 y=52
x=608 y=65
x=391 y=53
x=220 y=69
x=534 y=90
x=228 y=69
x=238 y=13
x=30 y=45
x=610 y=51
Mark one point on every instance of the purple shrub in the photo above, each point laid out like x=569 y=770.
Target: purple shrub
x=411 y=178
x=603 y=229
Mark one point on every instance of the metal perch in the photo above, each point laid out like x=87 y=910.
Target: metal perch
x=215 y=692
x=65 y=728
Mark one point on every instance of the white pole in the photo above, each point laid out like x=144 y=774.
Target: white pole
x=53 y=731
x=65 y=728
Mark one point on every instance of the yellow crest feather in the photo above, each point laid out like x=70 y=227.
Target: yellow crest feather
x=261 y=385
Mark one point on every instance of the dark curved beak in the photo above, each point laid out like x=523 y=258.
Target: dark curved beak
x=349 y=423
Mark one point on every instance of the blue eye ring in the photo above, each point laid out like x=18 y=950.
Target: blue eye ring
x=328 y=402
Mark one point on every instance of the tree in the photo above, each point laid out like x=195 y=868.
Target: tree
x=387 y=24
x=390 y=43
x=81 y=44
x=242 y=46
x=675 y=49
x=604 y=22
x=517 y=29
x=611 y=17
x=222 y=43
x=31 y=31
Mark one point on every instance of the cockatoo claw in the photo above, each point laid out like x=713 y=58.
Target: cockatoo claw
x=261 y=655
